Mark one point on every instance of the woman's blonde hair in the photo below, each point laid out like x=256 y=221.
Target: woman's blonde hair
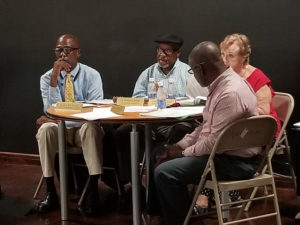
x=241 y=40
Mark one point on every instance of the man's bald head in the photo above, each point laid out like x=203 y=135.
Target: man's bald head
x=206 y=62
x=206 y=51
x=70 y=39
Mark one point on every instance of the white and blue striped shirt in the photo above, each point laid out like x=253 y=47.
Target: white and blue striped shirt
x=179 y=73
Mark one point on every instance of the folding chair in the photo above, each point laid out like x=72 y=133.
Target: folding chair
x=283 y=104
x=82 y=196
x=74 y=151
x=257 y=131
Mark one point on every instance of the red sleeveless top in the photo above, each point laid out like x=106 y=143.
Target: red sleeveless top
x=258 y=79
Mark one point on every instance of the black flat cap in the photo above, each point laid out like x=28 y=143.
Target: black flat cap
x=169 y=38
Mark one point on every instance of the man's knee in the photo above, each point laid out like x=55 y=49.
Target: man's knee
x=122 y=132
x=91 y=129
x=47 y=129
x=161 y=173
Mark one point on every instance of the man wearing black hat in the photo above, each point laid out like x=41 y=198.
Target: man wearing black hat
x=167 y=66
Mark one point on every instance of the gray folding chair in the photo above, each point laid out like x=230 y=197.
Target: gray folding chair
x=74 y=151
x=257 y=131
x=284 y=105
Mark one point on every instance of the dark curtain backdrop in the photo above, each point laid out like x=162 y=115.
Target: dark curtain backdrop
x=117 y=39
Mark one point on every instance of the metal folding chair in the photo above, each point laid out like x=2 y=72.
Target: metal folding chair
x=257 y=131
x=283 y=104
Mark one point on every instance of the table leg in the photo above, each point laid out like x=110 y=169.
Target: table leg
x=62 y=169
x=135 y=178
x=148 y=146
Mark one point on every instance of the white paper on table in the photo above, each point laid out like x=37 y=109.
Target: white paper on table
x=97 y=113
x=297 y=124
x=83 y=105
x=140 y=108
x=192 y=101
x=189 y=101
x=102 y=102
x=176 y=112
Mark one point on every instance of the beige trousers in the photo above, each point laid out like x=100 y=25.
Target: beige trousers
x=86 y=139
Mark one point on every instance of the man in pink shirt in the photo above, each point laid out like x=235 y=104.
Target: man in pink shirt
x=230 y=98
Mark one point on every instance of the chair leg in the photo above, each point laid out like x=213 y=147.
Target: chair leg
x=275 y=202
x=74 y=177
x=83 y=192
x=251 y=196
x=225 y=199
x=288 y=152
x=38 y=188
x=142 y=165
x=118 y=183
x=117 y=179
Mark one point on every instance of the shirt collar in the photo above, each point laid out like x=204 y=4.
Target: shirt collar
x=73 y=72
x=221 y=77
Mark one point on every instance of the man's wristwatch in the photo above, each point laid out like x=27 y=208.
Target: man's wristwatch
x=182 y=153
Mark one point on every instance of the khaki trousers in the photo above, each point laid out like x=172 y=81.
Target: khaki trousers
x=86 y=139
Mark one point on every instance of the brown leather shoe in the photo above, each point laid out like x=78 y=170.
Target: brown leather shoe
x=157 y=220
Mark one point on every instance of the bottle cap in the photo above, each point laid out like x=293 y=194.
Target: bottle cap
x=160 y=83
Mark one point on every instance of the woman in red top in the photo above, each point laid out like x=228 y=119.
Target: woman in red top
x=235 y=50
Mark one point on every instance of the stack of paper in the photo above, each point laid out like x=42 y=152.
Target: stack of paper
x=97 y=113
x=102 y=102
x=176 y=112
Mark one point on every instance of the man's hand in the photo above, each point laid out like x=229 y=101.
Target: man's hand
x=58 y=66
x=172 y=152
x=44 y=119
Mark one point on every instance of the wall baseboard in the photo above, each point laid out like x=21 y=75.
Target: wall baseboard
x=19 y=158
x=34 y=159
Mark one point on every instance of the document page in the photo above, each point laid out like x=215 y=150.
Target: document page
x=176 y=112
x=97 y=113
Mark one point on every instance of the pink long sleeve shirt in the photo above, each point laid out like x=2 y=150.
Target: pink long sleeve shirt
x=230 y=98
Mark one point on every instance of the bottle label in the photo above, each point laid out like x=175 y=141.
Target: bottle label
x=161 y=104
x=152 y=95
x=171 y=96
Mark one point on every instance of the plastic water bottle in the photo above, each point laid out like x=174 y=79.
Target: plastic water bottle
x=161 y=96
x=171 y=89
x=151 y=88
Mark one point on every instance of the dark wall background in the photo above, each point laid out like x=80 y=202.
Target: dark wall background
x=117 y=40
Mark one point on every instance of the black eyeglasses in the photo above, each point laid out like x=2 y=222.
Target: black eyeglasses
x=66 y=50
x=167 y=51
x=198 y=65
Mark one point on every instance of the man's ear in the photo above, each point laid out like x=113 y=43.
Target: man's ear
x=78 y=53
x=178 y=53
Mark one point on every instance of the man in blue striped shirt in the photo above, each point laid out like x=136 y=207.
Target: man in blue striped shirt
x=168 y=65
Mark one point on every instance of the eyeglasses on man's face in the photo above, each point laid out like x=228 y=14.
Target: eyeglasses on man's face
x=66 y=50
x=167 y=51
x=198 y=65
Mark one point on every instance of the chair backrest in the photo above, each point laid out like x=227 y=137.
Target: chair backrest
x=256 y=131
x=283 y=104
